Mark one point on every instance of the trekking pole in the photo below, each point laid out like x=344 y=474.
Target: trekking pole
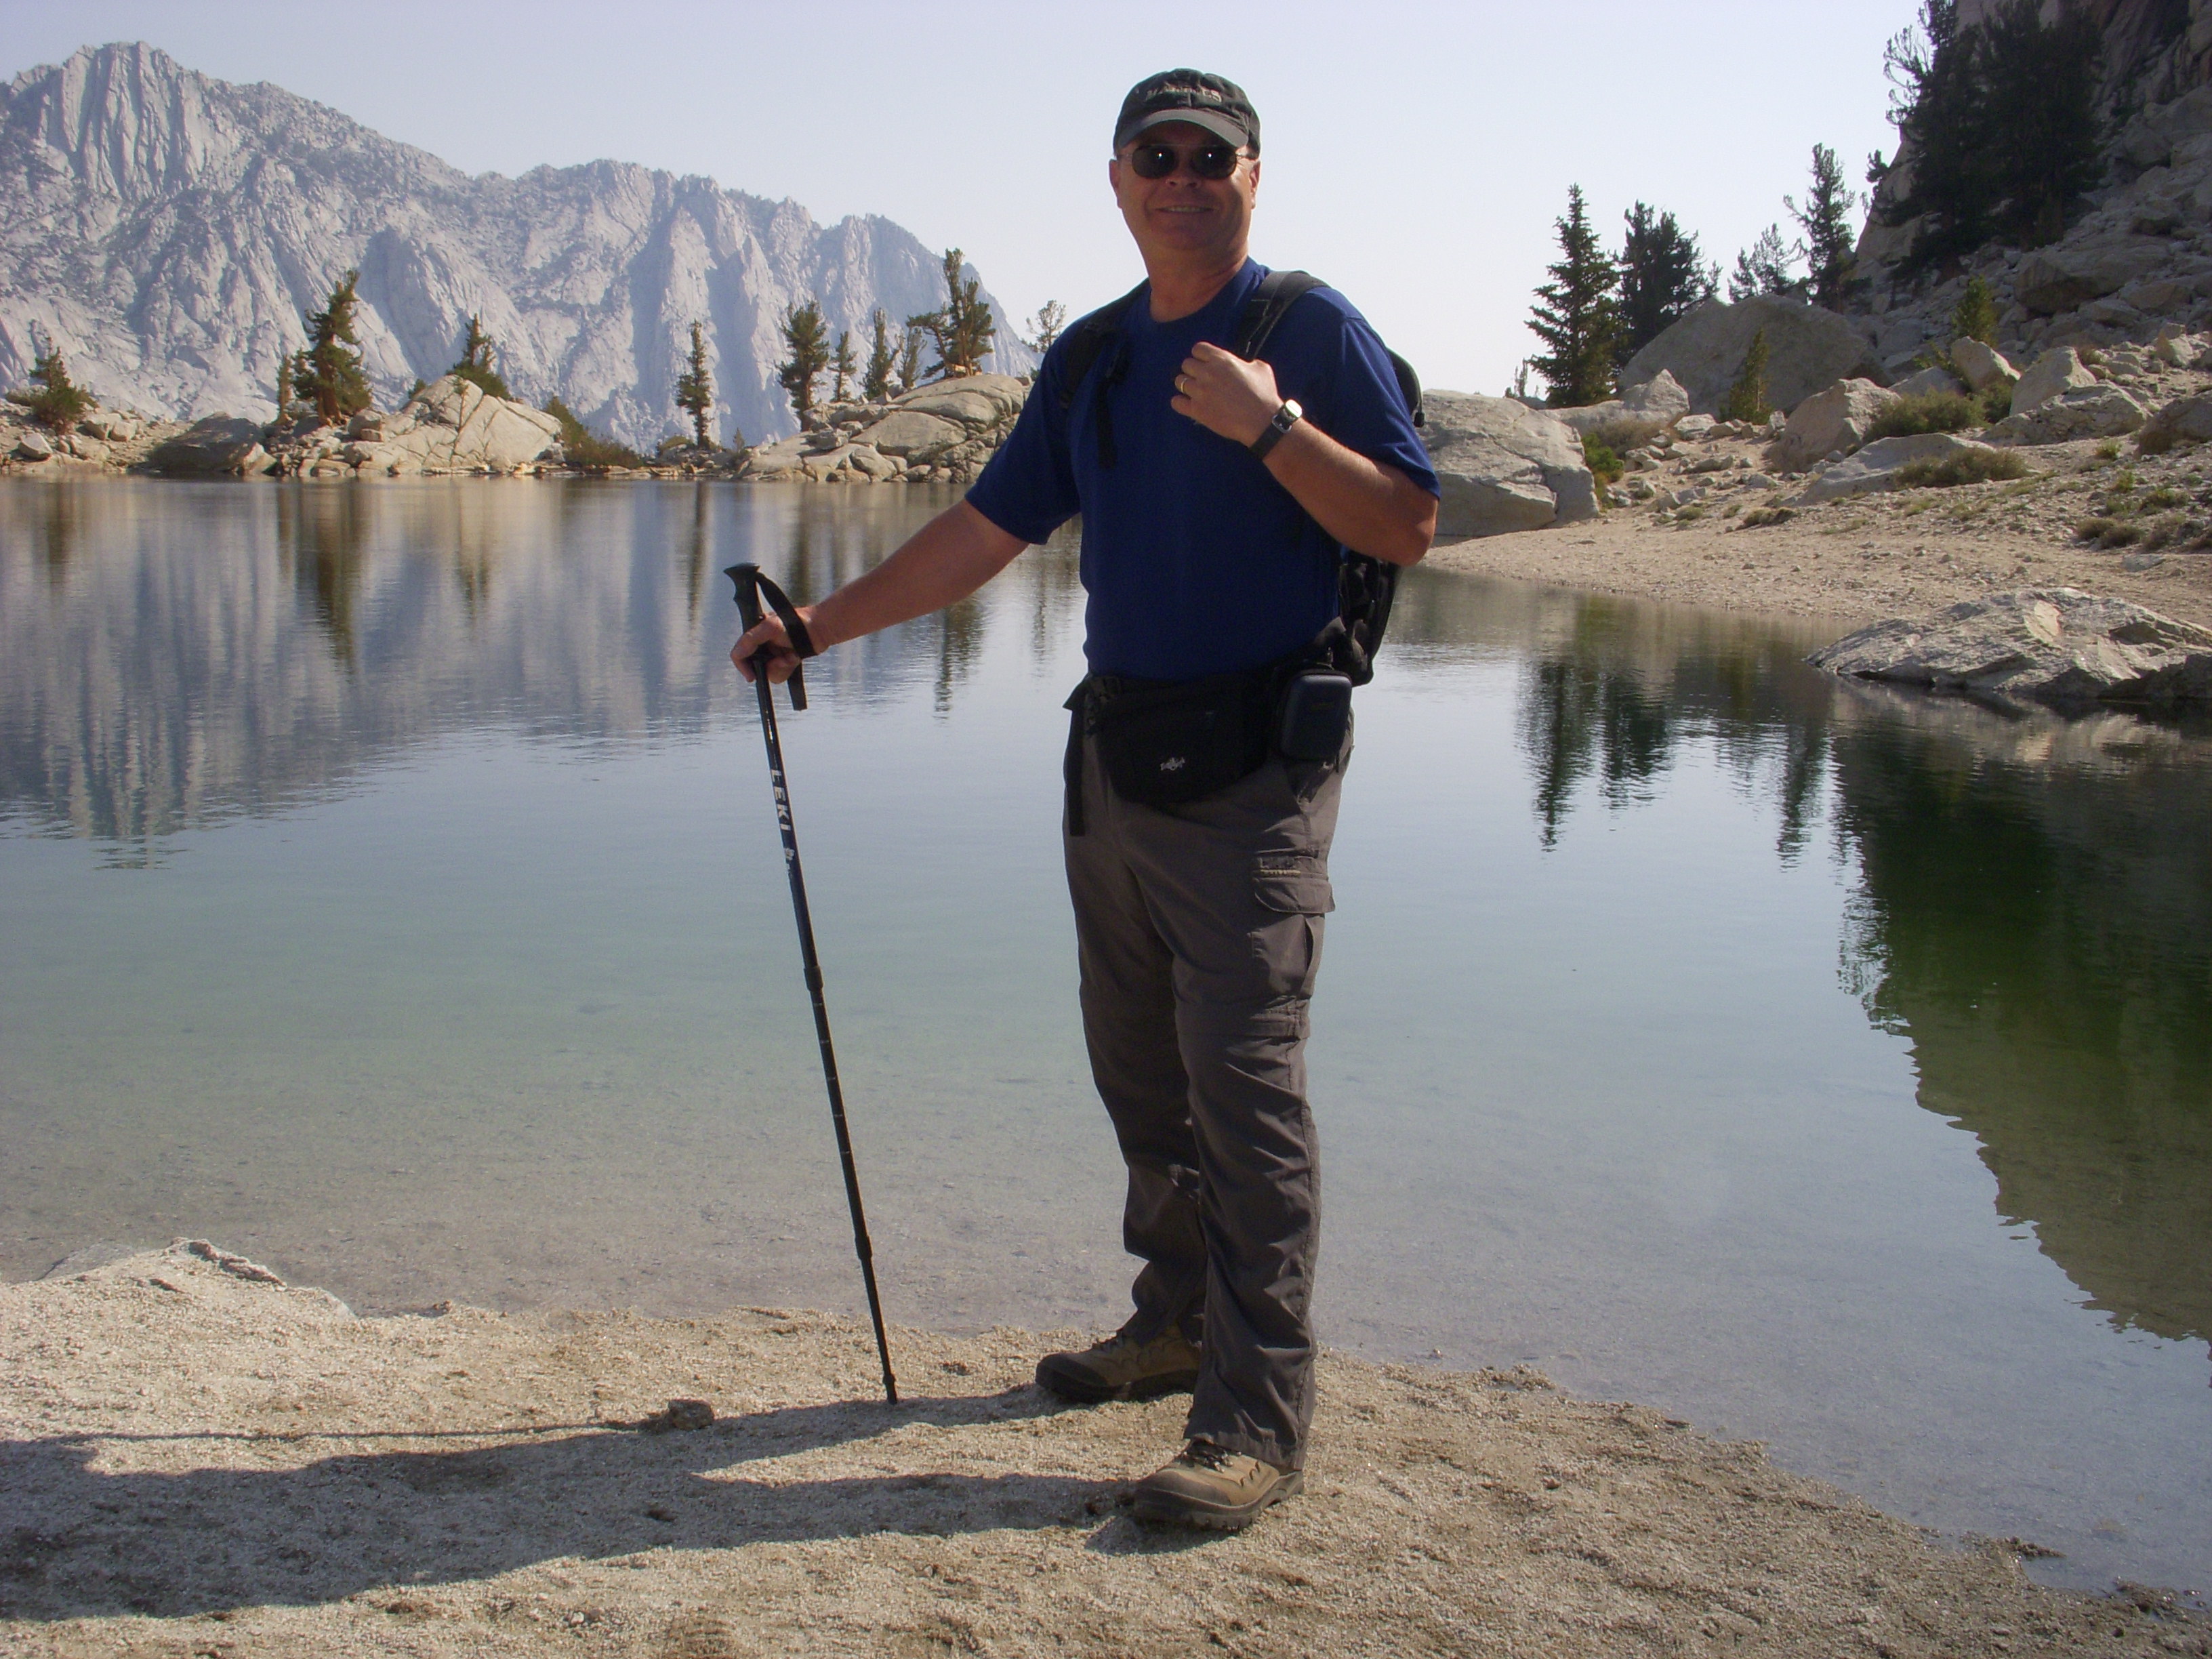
x=752 y=586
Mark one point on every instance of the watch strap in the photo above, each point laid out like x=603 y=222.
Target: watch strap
x=1285 y=417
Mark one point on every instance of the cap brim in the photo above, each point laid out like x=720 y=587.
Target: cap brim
x=1223 y=127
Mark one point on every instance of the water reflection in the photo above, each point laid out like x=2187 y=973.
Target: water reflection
x=165 y=681
x=2033 y=911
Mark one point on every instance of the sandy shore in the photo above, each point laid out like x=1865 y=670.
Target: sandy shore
x=198 y=1460
x=1853 y=562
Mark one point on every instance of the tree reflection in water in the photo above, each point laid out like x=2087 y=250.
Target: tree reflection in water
x=2033 y=913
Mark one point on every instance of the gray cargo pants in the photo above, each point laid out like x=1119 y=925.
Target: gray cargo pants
x=1199 y=932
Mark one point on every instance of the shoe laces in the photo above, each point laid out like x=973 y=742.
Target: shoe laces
x=1206 y=1455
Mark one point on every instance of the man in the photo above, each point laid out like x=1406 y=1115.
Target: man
x=1216 y=494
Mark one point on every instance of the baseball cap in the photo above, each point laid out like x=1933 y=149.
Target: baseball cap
x=1193 y=95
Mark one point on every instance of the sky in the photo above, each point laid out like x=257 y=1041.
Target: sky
x=1417 y=157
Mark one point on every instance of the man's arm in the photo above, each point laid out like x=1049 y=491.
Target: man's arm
x=946 y=559
x=1370 y=507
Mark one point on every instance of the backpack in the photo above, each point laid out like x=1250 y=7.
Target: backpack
x=1364 y=586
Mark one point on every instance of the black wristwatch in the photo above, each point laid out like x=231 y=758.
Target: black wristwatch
x=1285 y=417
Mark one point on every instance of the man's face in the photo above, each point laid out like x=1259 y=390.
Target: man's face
x=1183 y=213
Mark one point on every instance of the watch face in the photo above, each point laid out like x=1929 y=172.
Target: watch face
x=1291 y=408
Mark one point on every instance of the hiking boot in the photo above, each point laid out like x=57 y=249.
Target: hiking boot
x=1122 y=1368
x=1207 y=1486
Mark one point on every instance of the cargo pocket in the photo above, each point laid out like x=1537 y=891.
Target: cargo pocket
x=1294 y=887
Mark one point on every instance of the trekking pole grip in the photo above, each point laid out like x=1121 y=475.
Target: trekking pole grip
x=750 y=585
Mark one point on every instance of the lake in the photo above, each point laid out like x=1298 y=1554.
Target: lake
x=392 y=892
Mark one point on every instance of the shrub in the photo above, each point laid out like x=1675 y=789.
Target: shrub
x=1968 y=466
x=2109 y=450
x=1996 y=403
x=1623 y=432
x=476 y=361
x=58 y=403
x=1605 y=466
x=1759 y=517
x=1927 y=412
x=2162 y=498
x=2108 y=532
x=1976 y=318
x=584 y=447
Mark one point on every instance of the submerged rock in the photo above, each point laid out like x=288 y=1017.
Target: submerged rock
x=2055 y=646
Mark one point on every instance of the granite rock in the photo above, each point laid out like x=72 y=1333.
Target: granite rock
x=1504 y=467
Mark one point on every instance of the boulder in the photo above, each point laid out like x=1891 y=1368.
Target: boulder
x=2185 y=420
x=1807 y=348
x=2148 y=139
x=1838 y=418
x=34 y=446
x=455 y=425
x=1926 y=380
x=1981 y=366
x=1504 y=467
x=219 y=444
x=912 y=434
x=870 y=462
x=2056 y=279
x=2054 y=372
x=1876 y=466
x=2055 y=646
x=2181 y=350
x=977 y=402
x=1662 y=397
x=2092 y=411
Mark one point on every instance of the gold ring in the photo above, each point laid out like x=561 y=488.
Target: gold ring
x=1182 y=384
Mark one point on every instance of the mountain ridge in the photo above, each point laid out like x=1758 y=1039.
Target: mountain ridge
x=168 y=231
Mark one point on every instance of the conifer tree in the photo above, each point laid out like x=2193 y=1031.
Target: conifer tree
x=1762 y=268
x=876 y=386
x=1976 y=317
x=475 y=361
x=1576 y=315
x=1826 y=220
x=284 y=386
x=694 y=390
x=846 y=365
x=328 y=374
x=962 y=327
x=1663 y=277
x=807 y=338
x=57 y=401
x=2040 y=86
x=1050 y=320
x=909 y=362
x=1747 y=399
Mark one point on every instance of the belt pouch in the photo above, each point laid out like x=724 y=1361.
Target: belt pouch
x=1168 y=746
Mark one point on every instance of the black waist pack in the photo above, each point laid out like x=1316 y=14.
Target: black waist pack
x=1166 y=746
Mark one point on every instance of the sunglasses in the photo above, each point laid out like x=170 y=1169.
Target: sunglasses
x=1207 y=161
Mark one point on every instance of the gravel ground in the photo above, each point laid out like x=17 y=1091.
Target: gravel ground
x=199 y=1460
x=1901 y=554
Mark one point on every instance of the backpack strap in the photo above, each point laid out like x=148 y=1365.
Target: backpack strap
x=1277 y=292
x=1086 y=338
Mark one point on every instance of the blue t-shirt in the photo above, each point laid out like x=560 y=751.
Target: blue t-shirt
x=1195 y=560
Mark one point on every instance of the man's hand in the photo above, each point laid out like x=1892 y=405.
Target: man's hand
x=1225 y=394
x=769 y=632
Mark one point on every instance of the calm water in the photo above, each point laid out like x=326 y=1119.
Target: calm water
x=390 y=891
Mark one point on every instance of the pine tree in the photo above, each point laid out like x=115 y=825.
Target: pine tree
x=57 y=402
x=845 y=365
x=1050 y=320
x=1826 y=220
x=909 y=362
x=1976 y=318
x=2040 y=86
x=1663 y=277
x=1747 y=399
x=1940 y=108
x=1576 y=315
x=1762 y=268
x=876 y=385
x=807 y=338
x=962 y=328
x=475 y=361
x=694 y=390
x=328 y=374
x=284 y=386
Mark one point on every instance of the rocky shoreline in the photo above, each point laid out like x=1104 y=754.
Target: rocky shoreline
x=205 y=1459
